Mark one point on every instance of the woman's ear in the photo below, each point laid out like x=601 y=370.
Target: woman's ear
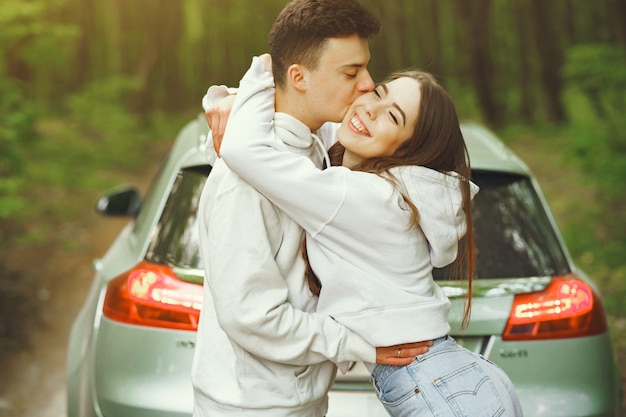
x=296 y=76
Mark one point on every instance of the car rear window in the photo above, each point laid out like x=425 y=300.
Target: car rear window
x=175 y=240
x=514 y=237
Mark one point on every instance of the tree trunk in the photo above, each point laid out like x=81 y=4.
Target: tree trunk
x=550 y=58
x=520 y=18
x=475 y=16
x=620 y=19
x=436 y=66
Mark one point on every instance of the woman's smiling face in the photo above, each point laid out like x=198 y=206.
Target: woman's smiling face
x=379 y=122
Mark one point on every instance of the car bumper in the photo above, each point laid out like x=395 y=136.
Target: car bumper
x=143 y=373
x=147 y=373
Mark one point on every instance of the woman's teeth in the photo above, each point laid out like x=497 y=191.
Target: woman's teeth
x=356 y=124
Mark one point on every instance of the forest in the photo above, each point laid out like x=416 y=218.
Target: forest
x=92 y=91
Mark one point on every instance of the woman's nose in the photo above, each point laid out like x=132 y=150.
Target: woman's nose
x=372 y=109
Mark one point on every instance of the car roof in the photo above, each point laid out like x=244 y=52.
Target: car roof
x=487 y=152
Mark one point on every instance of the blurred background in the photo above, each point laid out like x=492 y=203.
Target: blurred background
x=92 y=93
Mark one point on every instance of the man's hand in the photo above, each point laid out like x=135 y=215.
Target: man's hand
x=217 y=117
x=400 y=355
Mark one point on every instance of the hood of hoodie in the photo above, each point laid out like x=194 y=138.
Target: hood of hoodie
x=439 y=200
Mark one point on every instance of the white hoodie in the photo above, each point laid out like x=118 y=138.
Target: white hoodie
x=376 y=271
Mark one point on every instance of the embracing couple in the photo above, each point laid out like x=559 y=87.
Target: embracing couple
x=319 y=239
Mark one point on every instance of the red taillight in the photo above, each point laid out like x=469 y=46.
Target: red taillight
x=152 y=295
x=567 y=307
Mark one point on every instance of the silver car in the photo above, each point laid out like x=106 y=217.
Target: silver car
x=534 y=312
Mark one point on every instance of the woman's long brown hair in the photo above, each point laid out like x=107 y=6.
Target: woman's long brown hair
x=436 y=143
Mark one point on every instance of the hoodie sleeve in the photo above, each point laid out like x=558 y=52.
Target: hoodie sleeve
x=214 y=94
x=252 y=150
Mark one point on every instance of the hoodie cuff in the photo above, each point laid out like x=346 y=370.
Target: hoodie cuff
x=216 y=93
x=355 y=349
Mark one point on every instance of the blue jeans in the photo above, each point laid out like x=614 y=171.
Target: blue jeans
x=447 y=381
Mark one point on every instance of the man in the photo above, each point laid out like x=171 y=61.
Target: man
x=261 y=350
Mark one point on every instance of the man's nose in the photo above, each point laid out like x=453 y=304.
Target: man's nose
x=366 y=84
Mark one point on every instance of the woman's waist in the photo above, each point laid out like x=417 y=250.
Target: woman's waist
x=397 y=324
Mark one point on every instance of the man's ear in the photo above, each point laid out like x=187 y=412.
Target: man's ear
x=296 y=76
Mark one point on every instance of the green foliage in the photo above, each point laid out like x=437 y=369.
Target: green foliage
x=16 y=125
x=20 y=20
x=16 y=133
x=596 y=80
x=72 y=163
x=30 y=34
x=99 y=137
x=598 y=70
x=26 y=39
x=97 y=144
x=100 y=105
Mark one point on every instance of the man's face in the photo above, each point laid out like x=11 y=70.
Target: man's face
x=340 y=77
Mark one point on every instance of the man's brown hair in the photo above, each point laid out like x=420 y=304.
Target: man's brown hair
x=300 y=31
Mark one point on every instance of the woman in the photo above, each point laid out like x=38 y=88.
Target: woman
x=375 y=228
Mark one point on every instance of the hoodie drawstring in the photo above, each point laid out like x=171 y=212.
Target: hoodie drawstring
x=322 y=148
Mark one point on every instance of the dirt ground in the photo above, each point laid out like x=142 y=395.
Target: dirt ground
x=32 y=380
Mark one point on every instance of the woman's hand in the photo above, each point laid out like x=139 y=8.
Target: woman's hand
x=217 y=118
x=400 y=355
x=266 y=59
